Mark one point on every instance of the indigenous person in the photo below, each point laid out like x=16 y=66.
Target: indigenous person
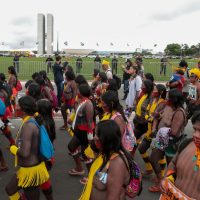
x=12 y=82
x=3 y=165
x=183 y=171
x=32 y=172
x=127 y=72
x=44 y=109
x=83 y=126
x=113 y=110
x=110 y=172
x=177 y=80
x=169 y=128
x=68 y=98
x=47 y=81
x=140 y=123
x=5 y=98
x=193 y=100
x=45 y=90
x=155 y=106
x=95 y=81
x=34 y=91
x=107 y=69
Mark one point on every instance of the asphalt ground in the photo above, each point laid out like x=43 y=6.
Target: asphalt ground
x=65 y=187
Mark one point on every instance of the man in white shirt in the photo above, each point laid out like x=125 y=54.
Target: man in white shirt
x=107 y=69
x=135 y=85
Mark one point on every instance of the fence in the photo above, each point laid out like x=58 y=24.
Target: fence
x=27 y=68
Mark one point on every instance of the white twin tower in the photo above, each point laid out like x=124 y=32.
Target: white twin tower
x=42 y=35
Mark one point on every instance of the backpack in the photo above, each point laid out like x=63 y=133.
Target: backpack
x=118 y=81
x=18 y=86
x=46 y=147
x=55 y=100
x=2 y=108
x=134 y=187
x=128 y=138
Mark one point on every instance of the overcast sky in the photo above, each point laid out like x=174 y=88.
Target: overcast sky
x=140 y=23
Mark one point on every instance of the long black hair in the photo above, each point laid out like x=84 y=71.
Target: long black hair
x=149 y=87
x=44 y=108
x=34 y=91
x=12 y=71
x=162 y=90
x=112 y=101
x=176 y=98
x=109 y=135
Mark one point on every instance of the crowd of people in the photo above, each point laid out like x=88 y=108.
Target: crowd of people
x=105 y=135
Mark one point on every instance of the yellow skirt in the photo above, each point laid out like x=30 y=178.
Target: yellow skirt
x=32 y=176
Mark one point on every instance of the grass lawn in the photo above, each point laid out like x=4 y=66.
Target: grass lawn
x=30 y=65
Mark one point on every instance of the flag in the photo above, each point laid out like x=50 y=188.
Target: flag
x=21 y=43
x=82 y=44
x=111 y=44
x=155 y=45
x=66 y=43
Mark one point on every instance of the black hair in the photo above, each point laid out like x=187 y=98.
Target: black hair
x=149 y=76
x=179 y=71
x=84 y=90
x=129 y=61
x=34 y=91
x=58 y=58
x=112 y=101
x=2 y=77
x=109 y=135
x=70 y=68
x=80 y=79
x=12 y=70
x=176 y=97
x=35 y=75
x=28 y=83
x=183 y=63
x=162 y=89
x=196 y=117
x=112 y=85
x=149 y=87
x=44 y=108
x=65 y=64
x=27 y=105
x=70 y=75
x=39 y=80
x=43 y=74
x=103 y=77
x=96 y=72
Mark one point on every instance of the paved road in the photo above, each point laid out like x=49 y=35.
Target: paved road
x=65 y=187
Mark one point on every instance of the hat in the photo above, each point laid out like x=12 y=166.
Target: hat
x=195 y=71
x=105 y=62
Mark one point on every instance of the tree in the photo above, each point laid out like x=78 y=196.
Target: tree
x=173 y=49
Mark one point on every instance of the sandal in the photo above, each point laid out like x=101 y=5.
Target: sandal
x=74 y=172
x=154 y=188
x=84 y=181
